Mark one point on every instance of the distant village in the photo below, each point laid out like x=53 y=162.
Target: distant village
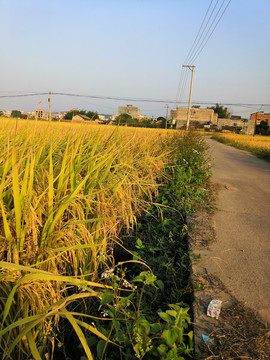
x=258 y=122
x=201 y=119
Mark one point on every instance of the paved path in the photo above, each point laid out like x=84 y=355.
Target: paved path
x=241 y=255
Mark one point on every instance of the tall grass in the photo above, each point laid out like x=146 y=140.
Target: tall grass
x=258 y=145
x=66 y=191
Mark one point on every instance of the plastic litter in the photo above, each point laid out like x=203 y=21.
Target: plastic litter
x=207 y=340
x=214 y=308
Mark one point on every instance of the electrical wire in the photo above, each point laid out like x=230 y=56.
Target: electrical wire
x=202 y=37
x=198 y=31
x=134 y=99
x=193 y=48
x=179 y=85
x=184 y=84
x=183 y=77
x=23 y=95
x=199 y=50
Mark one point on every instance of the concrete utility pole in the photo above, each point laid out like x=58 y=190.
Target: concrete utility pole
x=191 y=67
x=50 y=106
x=166 y=125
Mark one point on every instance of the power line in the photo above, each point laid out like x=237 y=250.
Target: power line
x=118 y=98
x=23 y=95
x=186 y=61
x=201 y=42
x=179 y=84
x=182 y=82
x=193 y=48
x=199 y=50
x=202 y=38
x=183 y=85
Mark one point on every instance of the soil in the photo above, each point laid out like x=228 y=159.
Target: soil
x=238 y=333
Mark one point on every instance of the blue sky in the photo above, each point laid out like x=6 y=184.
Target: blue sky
x=132 y=48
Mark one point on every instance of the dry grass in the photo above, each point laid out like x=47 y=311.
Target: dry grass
x=241 y=336
x=259 y=145
x=251 y=141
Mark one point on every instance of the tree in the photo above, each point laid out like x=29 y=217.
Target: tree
x=161 y=122
x=1 y=113
x=262 y=128
x=92 y=115
x=69 y=115
x=15 y=114
x=146 y=121
x=124 y=119
x=222 y=111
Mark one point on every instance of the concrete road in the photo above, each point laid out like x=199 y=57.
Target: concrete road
x=241 y=255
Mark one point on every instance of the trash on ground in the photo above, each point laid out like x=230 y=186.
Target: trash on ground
x=214 y=308
x=207 y=340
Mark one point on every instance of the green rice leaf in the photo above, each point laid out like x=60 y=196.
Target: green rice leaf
x=33 y=346
x=79 y=333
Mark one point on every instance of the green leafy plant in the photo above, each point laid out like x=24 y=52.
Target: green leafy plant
x=128 y=327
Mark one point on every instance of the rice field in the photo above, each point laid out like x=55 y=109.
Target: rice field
x=259 y=145
x=66 y=193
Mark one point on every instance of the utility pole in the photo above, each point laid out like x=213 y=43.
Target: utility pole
x=50 y=106
x=166 y=125
x=191 y=67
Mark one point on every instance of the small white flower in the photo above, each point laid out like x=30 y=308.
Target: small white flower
x=126 y=284
x=107 y=273
x=104 y=313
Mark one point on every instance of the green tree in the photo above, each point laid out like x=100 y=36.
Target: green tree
x=69 y=115
x=92 y=115
x=1 y=113
x=15 y=114
x=124 y=119
x=161 y=122
x=222 y=111
x=146 y=121
x=262 y=128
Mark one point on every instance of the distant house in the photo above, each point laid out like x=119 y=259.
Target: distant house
x=236 y=117
x=58 y=115
x=255 y=119
x=7 y=113
x=232 y=122
x=112 y=118
x=79 y=118
x=133 y=111
x=178 y=117
x=260 y=116
x=40 y=114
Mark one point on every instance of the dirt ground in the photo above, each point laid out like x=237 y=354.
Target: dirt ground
x=238 y=333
